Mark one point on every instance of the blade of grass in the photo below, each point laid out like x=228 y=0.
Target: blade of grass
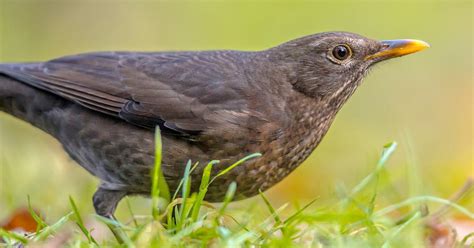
x=113 y=222
x=48 y=230
x=263 y=234
x=181 y=182
x=186 y=231
x=416 y=216
x=415 y=185
x=465 y=239
x=464 y=191
x=294 y=215
x=242 y=226
x=129 y=207
x=229 y=195
x=206 y=175
x=387 y=152
x=137 y=232
x=14 y=236
x=254 y=155
x=39 y=221
x=118 y=230
x=417 y=199
x=240 y=240
x=80 y=223
x=189 y=205
x=159 y=185
x=270 y=208
x=185 y=195
x=278 y=222
x=371 y=226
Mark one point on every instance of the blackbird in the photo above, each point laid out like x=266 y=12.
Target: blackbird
x=103 y=108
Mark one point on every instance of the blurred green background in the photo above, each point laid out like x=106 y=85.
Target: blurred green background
x=423 y=101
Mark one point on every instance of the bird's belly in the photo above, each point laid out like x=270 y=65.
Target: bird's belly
x=122 y=155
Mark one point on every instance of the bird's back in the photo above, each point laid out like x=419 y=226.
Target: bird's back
x=103 y=108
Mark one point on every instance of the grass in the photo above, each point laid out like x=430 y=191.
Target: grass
x=356 y=218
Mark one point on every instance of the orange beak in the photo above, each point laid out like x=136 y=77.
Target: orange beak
x=397 y=48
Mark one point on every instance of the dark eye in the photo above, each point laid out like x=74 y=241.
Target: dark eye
x=341 y=52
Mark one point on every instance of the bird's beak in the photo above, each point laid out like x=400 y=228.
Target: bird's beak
x=396 y=48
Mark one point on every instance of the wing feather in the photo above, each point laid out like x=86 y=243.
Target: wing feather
x=178 y=91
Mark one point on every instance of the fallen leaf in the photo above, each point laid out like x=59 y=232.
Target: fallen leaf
x=20 y=220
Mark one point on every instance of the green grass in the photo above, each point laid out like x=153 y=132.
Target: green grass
x=354 y=218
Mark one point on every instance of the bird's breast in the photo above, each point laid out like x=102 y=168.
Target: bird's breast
x=285 y=147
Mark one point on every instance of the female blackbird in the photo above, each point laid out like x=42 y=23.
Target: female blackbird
x=103 y=108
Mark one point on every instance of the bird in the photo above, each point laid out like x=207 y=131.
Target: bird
x=103 y=107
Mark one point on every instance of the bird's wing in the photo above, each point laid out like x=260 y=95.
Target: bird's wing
x=178 y=91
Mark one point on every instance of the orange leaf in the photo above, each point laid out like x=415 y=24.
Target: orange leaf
x=20 y=219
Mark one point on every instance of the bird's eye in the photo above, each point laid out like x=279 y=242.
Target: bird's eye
x=341 y=52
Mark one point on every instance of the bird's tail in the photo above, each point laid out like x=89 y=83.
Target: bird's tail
x=14 y=96
x=26 y=102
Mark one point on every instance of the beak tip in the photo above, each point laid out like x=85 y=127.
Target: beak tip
x=423 y=44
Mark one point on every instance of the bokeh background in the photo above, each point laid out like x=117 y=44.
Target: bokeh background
x=423 y=101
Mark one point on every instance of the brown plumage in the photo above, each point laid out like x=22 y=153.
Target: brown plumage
x=103 y=108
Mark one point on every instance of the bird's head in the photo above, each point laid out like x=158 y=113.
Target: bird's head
x=331 y=65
